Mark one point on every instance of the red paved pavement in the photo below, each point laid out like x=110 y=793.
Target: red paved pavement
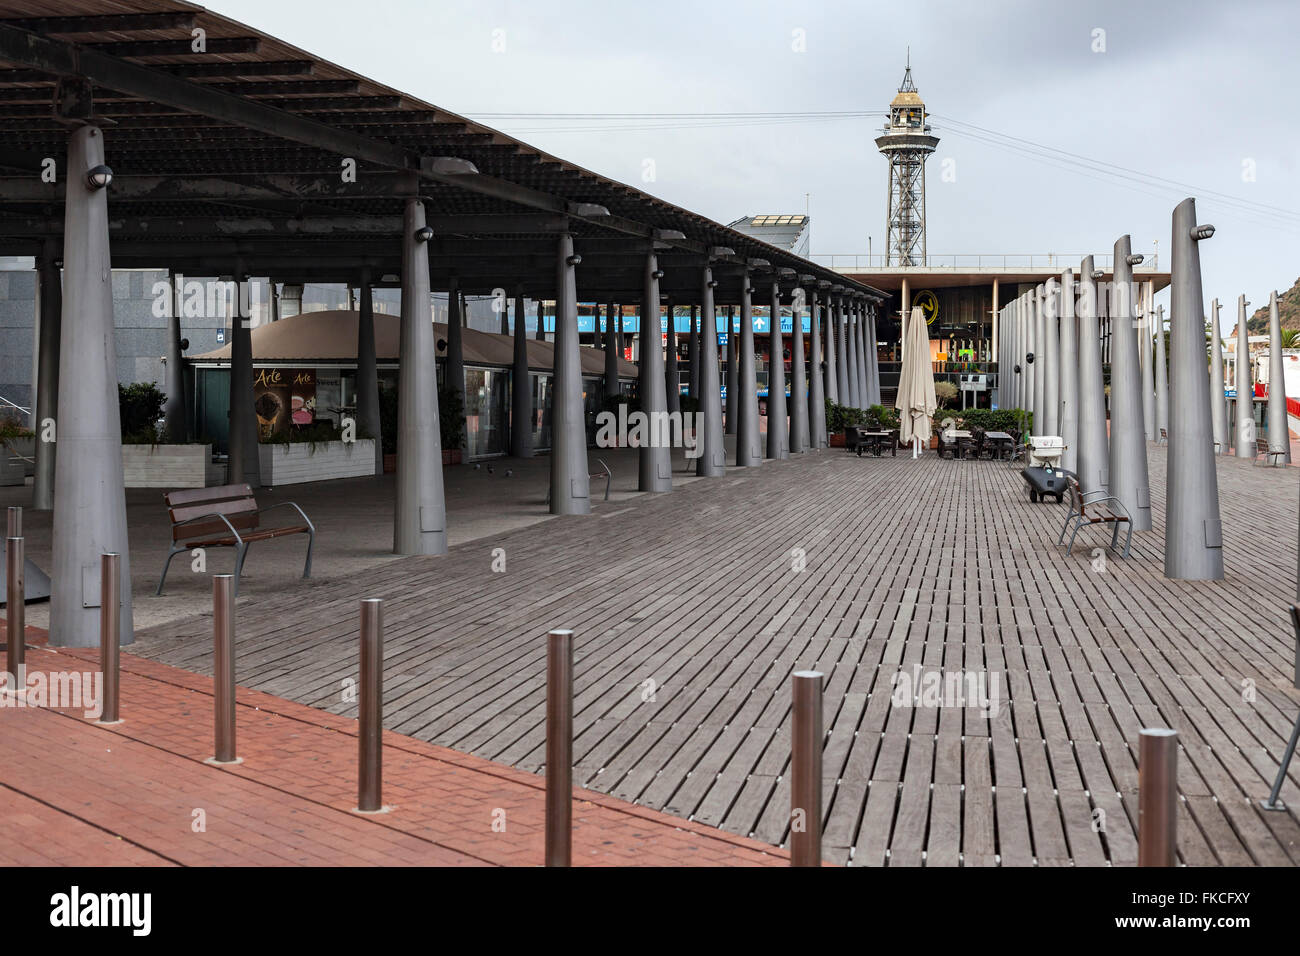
x=72 y=792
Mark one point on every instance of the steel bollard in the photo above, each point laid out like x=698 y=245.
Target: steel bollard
x=15 y=609
x=1157 y=797
x=110 y=633
x=370 y=711
x=15 y=522
x=806 y=770
x=223 y=667
x=559 y=748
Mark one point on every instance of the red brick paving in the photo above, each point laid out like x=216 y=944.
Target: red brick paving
x=72 y=792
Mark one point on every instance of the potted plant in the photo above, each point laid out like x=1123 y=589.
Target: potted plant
x=151 y=458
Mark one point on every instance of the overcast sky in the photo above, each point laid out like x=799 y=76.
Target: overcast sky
x=1203 y=94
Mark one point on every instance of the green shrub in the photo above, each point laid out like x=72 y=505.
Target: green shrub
x=451 y=419
x=139 y=407
x=992 y=419
x=945 y=393
x=12 y=427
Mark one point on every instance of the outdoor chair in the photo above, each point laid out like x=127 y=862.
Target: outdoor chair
x=226 y=517
x=947 y=447
x=852 y=437
x=1105 y=509
x=1267 y=455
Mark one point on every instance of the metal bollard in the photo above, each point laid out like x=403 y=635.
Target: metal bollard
x=16 y=608
x=110 y=633
x=15 y=524
x=370 y=711
x=806 y=770
x=1157 y=797
x=223 y=667
x=559 y=748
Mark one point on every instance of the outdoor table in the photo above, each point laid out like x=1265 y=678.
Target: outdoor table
x=876 y=439
x=1002 y=441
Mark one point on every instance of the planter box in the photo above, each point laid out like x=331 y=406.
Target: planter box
x=295 y=463
x=166 y=466
x=836 y=439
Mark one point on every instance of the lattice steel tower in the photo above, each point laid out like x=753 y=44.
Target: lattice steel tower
x=906 y=143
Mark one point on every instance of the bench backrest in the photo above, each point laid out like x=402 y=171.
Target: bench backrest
x=1261 y=445
x=235 y=502
x=1076 y=494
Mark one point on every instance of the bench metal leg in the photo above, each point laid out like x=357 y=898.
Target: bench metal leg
x=241 y=553
x=311 y=540
x=1073 y=536
x=166 y=564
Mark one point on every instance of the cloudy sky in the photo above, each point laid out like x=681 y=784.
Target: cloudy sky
x=1062 y=126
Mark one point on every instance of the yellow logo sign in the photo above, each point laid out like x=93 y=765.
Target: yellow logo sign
x=928 y=305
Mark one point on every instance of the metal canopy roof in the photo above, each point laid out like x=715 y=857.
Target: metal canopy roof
x=231 y=157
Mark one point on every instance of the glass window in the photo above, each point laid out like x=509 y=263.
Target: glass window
x=486 y=405
x=542 y=387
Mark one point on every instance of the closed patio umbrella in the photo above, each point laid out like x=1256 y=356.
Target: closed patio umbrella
x=916 y=401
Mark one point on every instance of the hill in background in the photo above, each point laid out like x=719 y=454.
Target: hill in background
x=1288 y=309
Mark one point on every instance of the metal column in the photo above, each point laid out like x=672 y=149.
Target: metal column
x=570 y=487
x=1128 y=451
x=749 y=451
x=174 y=425
x=1069 y=374
x=1241 y=381
x=47 y=372
x=693 y=357
x=1052 y=354
x=1279 y=434
x=733 y=373
x=798 y=383
x=831 y=371
x=89 y=498
x=1094 y=451
x=1162 y=374
x=778 y=426
x=521 y=388
x=1145 y=356
x=243 y=465
x=817 y=436
x=845 y=396
x=420 y=516
x=368 y=372
x=851 y=355
x=1218 y=401
x=672 y=374
x=655 y=457
x=1038 y=362
x=864 y=377
x=712 y=462
x=455 y=367
x=612 y=389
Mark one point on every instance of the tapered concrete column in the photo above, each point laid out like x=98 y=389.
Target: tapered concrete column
x=541 y=321
x=47 y=372
x=1242 y=382
x=672 y=374
x=841 y=353
x=89 y=499
x=864 y=377
x=733 y=373
x=420 y=516
x=611 y=354
x=712 y=462
x=1128 y=452
x=368 y=372
x=873 y=356
x=1162 y=374
x=243 y=465
x=1218 y=402
x=1279 y=432
x=174 y=424
x=505 y=314
x=1052 y=353
x=798 y=407
x=778 y=426
x=749 y=450
x=693 y=357
x=521 y=389
x=1193 y=530
x=455 y=368
x=852 y=355
x=817 y=436
x=570 y=487
x=655 y=458
x=832 y=352
x=1146 y=321
x=1069 y=373
x=1026 y=352
x=1038 y=361
x=1093 y=461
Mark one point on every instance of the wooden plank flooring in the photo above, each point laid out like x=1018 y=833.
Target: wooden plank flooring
x=691 y=613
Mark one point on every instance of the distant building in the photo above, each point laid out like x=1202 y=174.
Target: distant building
x=784 y=231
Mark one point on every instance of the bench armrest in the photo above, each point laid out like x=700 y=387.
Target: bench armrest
x=294 y=506
x=223 y=518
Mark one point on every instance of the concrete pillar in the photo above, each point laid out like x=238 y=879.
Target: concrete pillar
x=995 y=315
x=50 y=290
x=852 y=355
x=1052 y=353
x=521 y=389
x=1241 y=381
x=1093 y=462
x=368 y=372
x=89 y=499
x=905 y=316
x=420 y=516
x=860 y=336
x=798 y=407
x=1145 y=324
x=672 y=374
x=1128 y=452
x=455 y=368
x=1218 y=403
x=504 y=303
x=1193 y=529
x=817 y=436
x=1162 y=374
x=243 y=465
x=693 y=357
x=1038 y=359
x=733 y=373
x=1279 y=432
x=570 y=487
x=541 y=320
x=712 y=461
x=873 y=357
x=832 y=351
x=174 y=423
x=1068 y=362
x=749 y=451
x=611 y=354
x=778 y=426
x=655 y=458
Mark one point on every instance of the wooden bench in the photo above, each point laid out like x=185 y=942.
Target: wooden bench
x=604 y=473
x=1267 y=455
x=1080 y=516
x=226 y=517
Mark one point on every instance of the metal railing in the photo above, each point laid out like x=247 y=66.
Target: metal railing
x=1005 y=262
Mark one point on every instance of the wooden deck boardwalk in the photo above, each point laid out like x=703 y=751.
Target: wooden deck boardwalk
x=691 y=613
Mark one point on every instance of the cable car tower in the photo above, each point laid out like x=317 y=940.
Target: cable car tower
x=907 y=144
